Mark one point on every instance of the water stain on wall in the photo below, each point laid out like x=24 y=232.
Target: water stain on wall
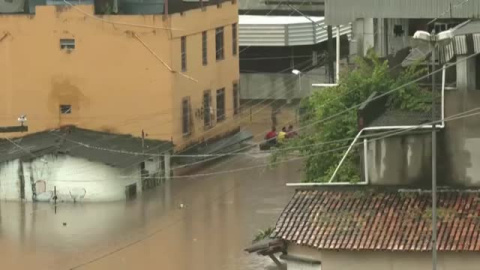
x=64 y=92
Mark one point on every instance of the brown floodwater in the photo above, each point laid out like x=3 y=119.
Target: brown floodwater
x=190 y=223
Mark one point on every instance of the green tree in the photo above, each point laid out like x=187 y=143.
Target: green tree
x=323 y=134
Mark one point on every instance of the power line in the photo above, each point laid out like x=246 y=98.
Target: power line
x=353 y=107
x=173 y=223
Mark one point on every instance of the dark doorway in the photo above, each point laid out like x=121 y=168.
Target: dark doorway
x=131 y=191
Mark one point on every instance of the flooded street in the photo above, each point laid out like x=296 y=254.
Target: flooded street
x=190 y=223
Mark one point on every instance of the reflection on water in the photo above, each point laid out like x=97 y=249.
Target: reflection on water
x=194 y=223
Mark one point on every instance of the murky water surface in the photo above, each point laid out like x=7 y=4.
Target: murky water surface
x=192 y=223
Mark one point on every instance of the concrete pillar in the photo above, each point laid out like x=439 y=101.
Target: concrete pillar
x=381 y=47
x=368 y=35
x=357 y=41
x=466 y=71
x=166 y=160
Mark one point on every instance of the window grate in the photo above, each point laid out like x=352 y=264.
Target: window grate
x=236 y=99
x=234 y=39
x=220 y=105
x=204 y=48
x=186 y=116
x=219 y=43
x=207 y=104
x=67 y=44
x=65 y=109
x=184 y=53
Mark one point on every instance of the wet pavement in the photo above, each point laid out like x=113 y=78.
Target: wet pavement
x=191 y=223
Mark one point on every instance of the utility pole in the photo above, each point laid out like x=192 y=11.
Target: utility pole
x=433 y=45
x=331 y=53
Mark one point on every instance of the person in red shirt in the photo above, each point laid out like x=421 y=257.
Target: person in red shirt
x=271 y=137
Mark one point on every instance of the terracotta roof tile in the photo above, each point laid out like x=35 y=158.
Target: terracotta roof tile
x=396 y=220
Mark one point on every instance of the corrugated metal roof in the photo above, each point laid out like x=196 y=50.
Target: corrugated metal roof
x=73 y=141
x=345 y=11
x=283 y=30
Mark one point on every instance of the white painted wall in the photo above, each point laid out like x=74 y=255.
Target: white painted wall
x=9 y=184
x=384 y=260
x=70 y=175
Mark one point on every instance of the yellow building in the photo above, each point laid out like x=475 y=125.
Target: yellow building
x=173 y=76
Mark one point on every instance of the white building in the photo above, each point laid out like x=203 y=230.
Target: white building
x=80 y=165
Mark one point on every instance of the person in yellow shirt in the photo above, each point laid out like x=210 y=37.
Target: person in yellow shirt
x=282 y=135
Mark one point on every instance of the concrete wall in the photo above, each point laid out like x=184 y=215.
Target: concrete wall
x=111 y=80
x=463 y=137
x=400 y=160
x=363 y=37
x=281 y=86
x=407 y=159
x=71 y=176
x=384 y=260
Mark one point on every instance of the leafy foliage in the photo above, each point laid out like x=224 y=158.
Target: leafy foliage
x=324 y=143
x=263 y=234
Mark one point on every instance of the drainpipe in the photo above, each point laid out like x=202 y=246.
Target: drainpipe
x=443 y=96
x=337 y=71
x=345 y=156
x=365 y=159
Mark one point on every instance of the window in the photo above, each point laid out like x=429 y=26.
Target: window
x=220 y=55
x=186 y=116
x=220 y=104
x=207 y=104
x=67 y=44
x=398 y=30
x=236 y=99
x=65 y=109
x=234 y=39
x=204 y=48
x=184 y=53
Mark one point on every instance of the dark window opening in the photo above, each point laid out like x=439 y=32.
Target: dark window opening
x=398 y=30
x=236 y=99
x=204 y=49
x=184 y=53
x=67 y=44
x=285 y=59
x=186 y=116
x=219 y=43
x=234 y=39
x=65 y=109
x=131 y=191
x=207 y=104
x=220 y=104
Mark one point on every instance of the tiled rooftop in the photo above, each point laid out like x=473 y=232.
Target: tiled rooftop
x=392 y=220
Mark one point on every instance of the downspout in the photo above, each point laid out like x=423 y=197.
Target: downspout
x=345 y=156
x=443 y=96
x=337 y=72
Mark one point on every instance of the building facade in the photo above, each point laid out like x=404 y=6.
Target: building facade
x=116 y=67
x=75 y=164
x=388 y=26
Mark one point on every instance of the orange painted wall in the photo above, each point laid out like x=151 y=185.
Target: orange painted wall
x=113 y=82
